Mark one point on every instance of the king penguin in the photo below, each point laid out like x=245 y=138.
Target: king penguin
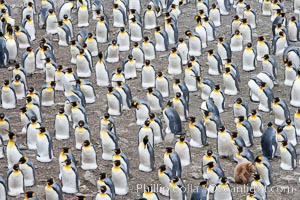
x=294 y=95
x=245 y=130
x=129 y=67
x=3 y=189
x=53 y=190
x=222 y=190
x=177 y=189
x=15 y=181
x=230 y=81
x=8 y=96
x=288 y=156
x=32 y=132
x=82 y=133
x=44 y=146
x=114 y=102
x=13 y=152
x=146 y=155
x=172 y=160
x=120 y=178
x=142 y=111
x=88 y=156
x=182 y=147
x=280 y=110
x=256 y=122
x=105 y=180
x=102 y=73
x=70 y=177
x=161 y=39
x=259 y=185
x=264 y=168
x=28 y=170
x=109 y=141
x=157 y=127
x=266 y=97
x=214 y=63
x=217 y=95
x=162 y=84
x=268 y=142
x=249 y=58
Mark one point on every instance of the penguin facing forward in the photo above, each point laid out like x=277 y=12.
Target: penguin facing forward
x=290 y=131
x=279 y=43
x=240 y=108
x=288 y=156
x=28 y=24
x=154 y=99
x=206 y=86
x=293 y=29
x=162 y=84
x=236 y=41
x=92 y=44
x=8 y=96
x=70 y=177
x=120 y=178
x=244 y=129
x=262 y=48
x=82 y=133
x=255 y=120
x=172 y=160
x=259 y=185
x=31 y=104
x=150 y=193
x=103 y=194
x=142 y=111
x=119 y=16
x=222 y=190
x=246 y=31
x=123 y=39
x=150 y=20
x=83 y=15
x=148 y=75
x=215 y=15
x=51 y=22
x=212 y=123
x=53 y=190
x=161 y=39
x=174 y=62
x=264 y=168
x=230 y=80
x=213 y=174
x=146 y=155
x=59 y=78
x=28 y=170
x=180 y=86
x=125 y=93
x=48 y=94
x=67 y=21
x=114 y=102
x=12 y=48
x=224 y=145
x=64 y=154
x=83 y=65
x=290 y=73
x=15 y=181
x=294 y=95
x=148 y=47
x=146 y=130
x=102 y=30
x=252 y=194
x=182 y=147
x=44 y=146
x=250 y=15
x=102 y=73
x=217 y=95
x=32 y=132
x=266 y=97
x=181 y=106
x=19 y=86
x=78 y=113
x=129 y=67
x=138 y=54
x=112 y=52
x=120 y=155
x=177 y=189
x=266 y=8
x=135 y=30
x=201 y=30
x=88 y=156
x=214 y=63
x=28 y=61
x=249 y=58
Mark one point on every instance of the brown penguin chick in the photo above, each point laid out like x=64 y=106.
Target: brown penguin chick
x=243 y=172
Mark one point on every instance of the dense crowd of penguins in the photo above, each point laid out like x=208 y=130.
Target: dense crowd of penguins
x=160 y=115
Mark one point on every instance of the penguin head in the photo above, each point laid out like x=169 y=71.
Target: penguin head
x=149 y=90
x=206 y=113
x=239 y=148
x=90 y=35
x=223 y=180
x=16 y=167
x=222 y=129
x=52 y=83
x=217 y=87
x=81 y=197
x=210 y=52
x=103 y=176
x=22 y=160
x=289 y=63
x=181 y=138
x=173 y=6
x=102 y=18
x=149 y=7
x=279 y=129
x=169 y=149
x=116 y=6
x=42 y=129
x=17 y=77
x=234 y=134
x=151 y=115
x=163 y=168
x=228 y=60
x=178 y=95
x=68 y=161
x=51 y=11
x=81 y=51
x=281 y=33
x=28 y=98
x=263 y=84
x=6 y=82
x=117 y=163
x=135 y=104
x=203 y=184
x=81 y=123
x=147 y=123
x=157 y=28
x=175 y=179
x=33 y=119
x=17 y=66
x=236 y=32
x=177 y=81
x=276 y=99
x=253 y=112
x=293 y=18
x=298 y=110
x=69 y=70
x=117 y=151
x=251 y=192
x=173 y=49
x=188 y=33
x=249 y=45
x=192 y=119
x=227 y=69
x=169 y=20
x=86 y=143
x=73 y=42
x=145 y=140
x=23 y=109
x=248 y=7
x=238 y=100
x=180 y=40
x=169 y=104
x=50 y=181
x=60 y=23
x=213 y=6
x=66 y=150
x=119 y=83
x=65 y=16
x=114 y=42
x=30 y=4
x=288 y=121
x=159 y=74
x=2 y=115
x=190 y=65
x=106 y=115
x=30 y=194
x=256 y=176
x=241 y=118
x=236 y=17
x=147 y=62
x=270 y=124
x=211 y=164
x=74 y=104
x=133 y=19
x=103 y=189
x=110 y=89
x=148 y=189
x=135 y=44
x=11 y=135
x=130 y=57
x=258 y=159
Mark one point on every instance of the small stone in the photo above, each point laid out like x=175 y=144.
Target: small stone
x=10 y=68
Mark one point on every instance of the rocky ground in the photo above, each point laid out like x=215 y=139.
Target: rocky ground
x=285 y=182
